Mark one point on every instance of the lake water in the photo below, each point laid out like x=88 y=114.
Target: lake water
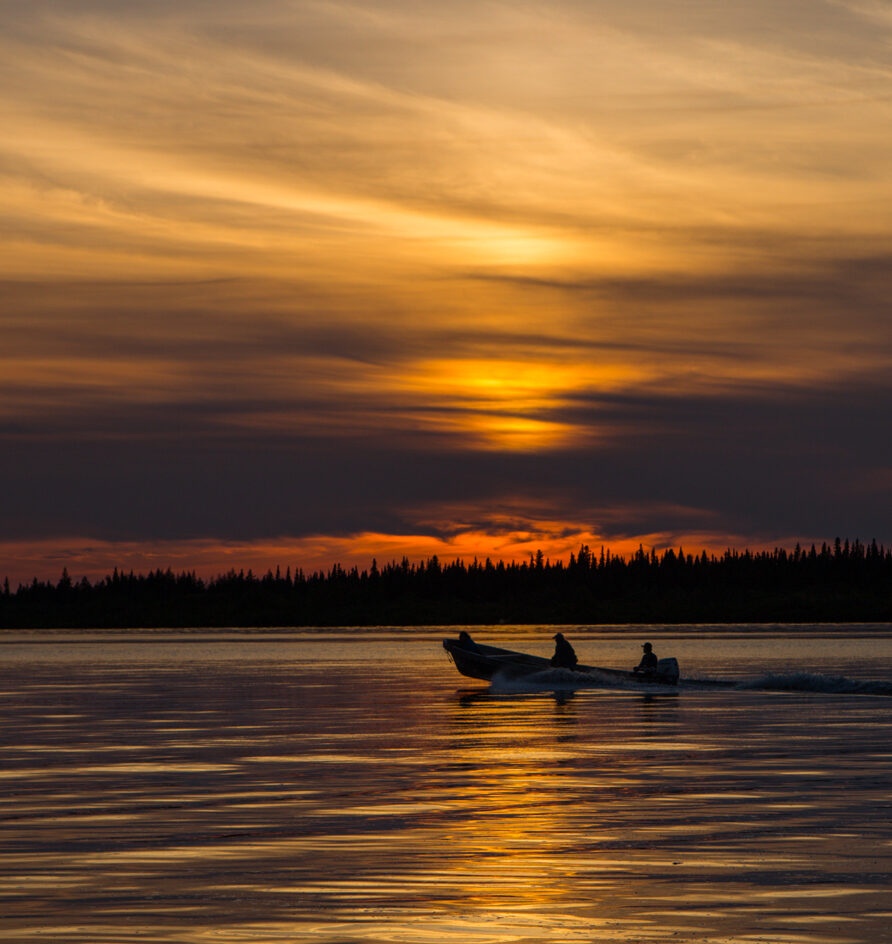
x=352 y=787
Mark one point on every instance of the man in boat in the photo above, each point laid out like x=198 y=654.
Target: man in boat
x=648 y=663
x=464 y=638
x=564 y=657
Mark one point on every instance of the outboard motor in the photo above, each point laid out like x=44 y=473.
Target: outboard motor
x=668 y=669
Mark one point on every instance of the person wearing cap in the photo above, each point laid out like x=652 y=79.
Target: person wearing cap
x=648 y=663
x=564 y=657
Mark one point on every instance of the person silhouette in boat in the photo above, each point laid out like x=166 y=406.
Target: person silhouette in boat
x=648 y=663
x=465 y=639
x=564 y=657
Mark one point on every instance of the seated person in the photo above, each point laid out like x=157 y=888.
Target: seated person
x=465 y=639
x=648 y=663
x=564 y=657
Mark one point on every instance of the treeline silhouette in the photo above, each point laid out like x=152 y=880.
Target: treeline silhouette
x=841 y=582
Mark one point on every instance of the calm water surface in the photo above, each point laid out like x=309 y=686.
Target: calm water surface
x=353 y=787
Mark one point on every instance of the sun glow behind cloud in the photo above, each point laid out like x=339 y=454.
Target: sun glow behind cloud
x=505 y=404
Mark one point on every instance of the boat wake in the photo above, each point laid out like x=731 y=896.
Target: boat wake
x=557 y=679
x=809 y=682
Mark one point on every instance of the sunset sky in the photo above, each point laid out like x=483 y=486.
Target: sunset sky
x=299 y=282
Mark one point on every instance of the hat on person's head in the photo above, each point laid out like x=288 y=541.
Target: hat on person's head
x=647 y=645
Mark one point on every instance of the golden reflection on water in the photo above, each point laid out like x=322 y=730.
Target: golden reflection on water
x=286 y=801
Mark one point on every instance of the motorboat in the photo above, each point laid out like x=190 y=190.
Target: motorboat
x=477 y=660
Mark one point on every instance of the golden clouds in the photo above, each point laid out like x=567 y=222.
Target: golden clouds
x=377 y=147
x=141 y=143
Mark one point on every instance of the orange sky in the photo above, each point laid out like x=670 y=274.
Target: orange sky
x=325 y=279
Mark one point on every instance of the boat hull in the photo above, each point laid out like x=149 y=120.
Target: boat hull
x=480 y=661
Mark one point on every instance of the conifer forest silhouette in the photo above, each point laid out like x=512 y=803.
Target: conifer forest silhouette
x=841 y=582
